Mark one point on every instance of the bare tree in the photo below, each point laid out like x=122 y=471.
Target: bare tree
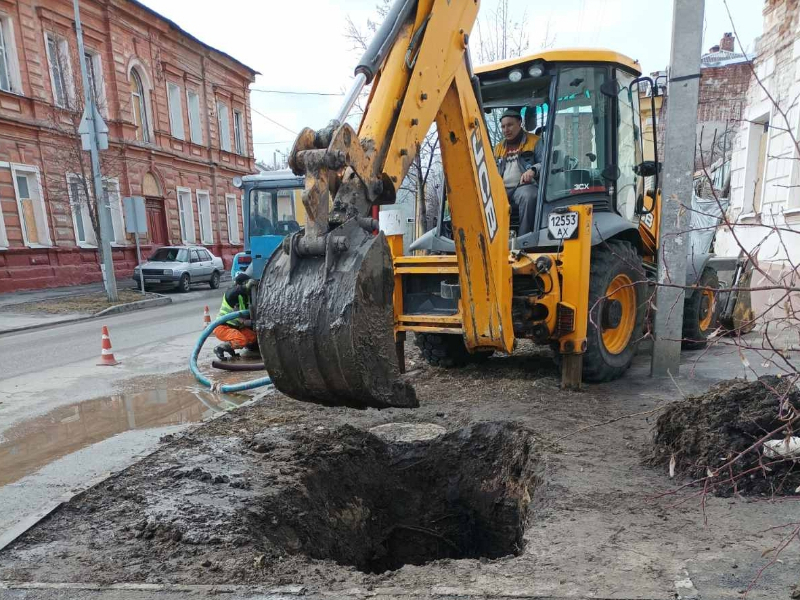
x=69 y=173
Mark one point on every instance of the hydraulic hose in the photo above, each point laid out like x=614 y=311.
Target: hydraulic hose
x=227 y=388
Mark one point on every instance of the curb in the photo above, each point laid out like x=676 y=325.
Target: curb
x=111 y=310
x=131 y=306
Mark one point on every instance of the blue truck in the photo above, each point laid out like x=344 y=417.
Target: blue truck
x=272 y=208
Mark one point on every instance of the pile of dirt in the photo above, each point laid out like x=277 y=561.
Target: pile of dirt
x=704 y=433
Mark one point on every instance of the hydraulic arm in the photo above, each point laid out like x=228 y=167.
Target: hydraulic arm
x=324 y=312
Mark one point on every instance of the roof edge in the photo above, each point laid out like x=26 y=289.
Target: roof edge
x=182 y=31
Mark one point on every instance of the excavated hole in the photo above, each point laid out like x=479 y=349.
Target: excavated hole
x=378 y=505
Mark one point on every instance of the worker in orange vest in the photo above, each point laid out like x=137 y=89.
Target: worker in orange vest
x=238 y=333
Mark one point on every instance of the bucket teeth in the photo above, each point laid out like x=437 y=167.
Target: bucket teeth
x=325 y=324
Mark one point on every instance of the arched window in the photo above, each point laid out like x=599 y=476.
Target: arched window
x=139 y=107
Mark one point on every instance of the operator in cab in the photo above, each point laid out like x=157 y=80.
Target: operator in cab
x=236 y=334
x=519 y=157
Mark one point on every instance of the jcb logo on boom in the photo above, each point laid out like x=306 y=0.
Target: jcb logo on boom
x=486 y=188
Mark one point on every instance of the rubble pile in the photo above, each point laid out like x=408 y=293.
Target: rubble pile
x=701 y=435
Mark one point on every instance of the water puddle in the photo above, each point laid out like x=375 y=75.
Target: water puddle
x=32 y=444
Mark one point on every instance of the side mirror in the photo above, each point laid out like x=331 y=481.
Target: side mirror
x=611 y=173
x=647 y=168
x=610 y=88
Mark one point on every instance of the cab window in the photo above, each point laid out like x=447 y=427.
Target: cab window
x=582 y=136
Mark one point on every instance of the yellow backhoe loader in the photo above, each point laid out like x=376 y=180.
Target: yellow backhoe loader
x=337 y=299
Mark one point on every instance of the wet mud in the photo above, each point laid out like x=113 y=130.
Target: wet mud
x=493 y=487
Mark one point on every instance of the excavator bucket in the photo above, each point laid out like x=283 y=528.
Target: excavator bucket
x=325 y=323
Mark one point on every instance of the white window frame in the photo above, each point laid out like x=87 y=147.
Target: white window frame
x=148 y=131
x=3 y=234
x=753 y=132
x=238 y=132
x=95 y=62
x=186 y=221
x=117 y=212
x=40 y=210
x=175 y=109
x=224 y=128
x=69 y=88
x=10 y=54
x=206 y=225
x=86 y=217
x=233 y=219
x=195 y=128
x=794 y=175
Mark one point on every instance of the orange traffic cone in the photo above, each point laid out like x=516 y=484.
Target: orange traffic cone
x=206 y=318
x=106 y=354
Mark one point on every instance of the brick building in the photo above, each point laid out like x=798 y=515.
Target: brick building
x=179 y=125
x=725 y=80
x=765 y=166
x=726 y=76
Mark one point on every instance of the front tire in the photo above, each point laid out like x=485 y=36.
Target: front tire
x=214 y=281
x=699 y=311
x=616 y=311
x=185 y=284
x=446 y=350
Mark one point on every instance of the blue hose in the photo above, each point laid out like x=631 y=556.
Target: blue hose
x=225 y=389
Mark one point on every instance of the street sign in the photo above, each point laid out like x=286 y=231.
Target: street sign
x=136 y=223
x=135 y=217
x=100 y=127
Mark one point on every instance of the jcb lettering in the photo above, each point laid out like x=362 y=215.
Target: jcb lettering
x=486 y=188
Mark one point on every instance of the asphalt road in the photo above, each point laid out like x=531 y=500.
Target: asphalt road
x=65 y=421
x=38 y=350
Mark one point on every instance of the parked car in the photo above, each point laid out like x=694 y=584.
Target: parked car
x=181 y=266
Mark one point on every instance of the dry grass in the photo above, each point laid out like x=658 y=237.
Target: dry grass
x=85 y=303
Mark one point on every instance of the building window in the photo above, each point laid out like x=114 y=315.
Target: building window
x=94 y=73
x=30 y=204
x=224 y=127
x=193 y=100
x=238 y=131
x=60 y=72
x=3 y=234
x=114 y=198
x=175 y=110
x=233 y=219
x=9 y=66
x=757 y=149
x=204 y=215
x=186 y=215
x=139 y=105
x=81 y=213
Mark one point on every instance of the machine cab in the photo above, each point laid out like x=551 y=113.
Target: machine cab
x=272 y=208
x=582 y=109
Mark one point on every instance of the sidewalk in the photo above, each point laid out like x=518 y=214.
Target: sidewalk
x=17 y=320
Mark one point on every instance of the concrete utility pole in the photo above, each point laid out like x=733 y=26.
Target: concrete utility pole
x=103 y=211
x=684 y=86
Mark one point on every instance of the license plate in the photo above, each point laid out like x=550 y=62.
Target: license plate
x=152 y=279
x=562 y=226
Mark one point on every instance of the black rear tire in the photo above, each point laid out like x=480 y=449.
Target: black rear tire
x=610 y=260
x=698 y=324
x=447 y=350
x=185 y=284
x=214 y=281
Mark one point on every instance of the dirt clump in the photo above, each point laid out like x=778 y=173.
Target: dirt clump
x=704 y=433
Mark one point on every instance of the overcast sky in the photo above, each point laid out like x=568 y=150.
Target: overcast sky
x=298 y=45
